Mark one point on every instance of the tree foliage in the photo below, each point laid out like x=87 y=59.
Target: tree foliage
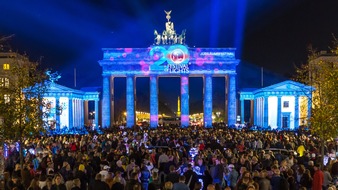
x=321 y=72
x=21 y=102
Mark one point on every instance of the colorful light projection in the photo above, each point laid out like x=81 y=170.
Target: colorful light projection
x=169 y=60
x=175 y=59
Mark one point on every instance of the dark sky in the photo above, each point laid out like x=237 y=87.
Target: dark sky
x=70 y=33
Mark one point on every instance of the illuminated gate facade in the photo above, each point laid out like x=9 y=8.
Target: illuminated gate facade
x=168 y=57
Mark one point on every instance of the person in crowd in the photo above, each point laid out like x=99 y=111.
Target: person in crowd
x=155 y=184
x=168 y=186
x=217 y=174
x=173 y=175
x=264 y=182
x=190 y=177
x=49 y=184
x=77 y=184
x=104 y=172
x=145 y=176
x=34 y=185
x=306 y=180
x=245 y=181
x=133 y=181
x=118 y=183
x=98 y=183
x=327 y=178
x=82 y=176
x=58 y=183
x=181 y=185
x=232 y=176
x=15 y=182
x=318 y=178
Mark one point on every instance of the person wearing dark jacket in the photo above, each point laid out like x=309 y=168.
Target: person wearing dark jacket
x=98 y=184
x=81 y=175
x=173 y=175
x=58 y=185
x=155 y=184
x=217 y=174
x=133 y=181
x=190 y=177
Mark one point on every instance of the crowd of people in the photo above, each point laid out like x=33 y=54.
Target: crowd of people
x=172 y=159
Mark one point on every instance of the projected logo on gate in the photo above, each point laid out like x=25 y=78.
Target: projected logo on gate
x=175 y=59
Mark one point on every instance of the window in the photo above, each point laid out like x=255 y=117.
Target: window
x=6 y=66
x=4 y=82
x=6 y=97
x=285 y=104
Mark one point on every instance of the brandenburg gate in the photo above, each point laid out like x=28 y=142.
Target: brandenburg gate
x=168 y=57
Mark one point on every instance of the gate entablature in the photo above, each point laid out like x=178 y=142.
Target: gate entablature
x=169 y=60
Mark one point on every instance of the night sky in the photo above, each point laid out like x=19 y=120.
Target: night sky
x=273 y=34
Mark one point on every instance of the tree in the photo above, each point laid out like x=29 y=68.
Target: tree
x=21 y=100
x=321 y=72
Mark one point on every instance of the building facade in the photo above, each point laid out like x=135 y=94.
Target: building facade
x=168 y=57
x=68 y=108
x=285 y=105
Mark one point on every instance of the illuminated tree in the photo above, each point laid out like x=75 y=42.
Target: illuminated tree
x=21 y=99
x=321 y=72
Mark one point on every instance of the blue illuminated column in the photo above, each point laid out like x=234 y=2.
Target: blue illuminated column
x=266 y=113
x=296 y=112
x=153 y=101
x=232 y=110
x=130 y=101
x=242 y=111
x=105 y=103
x=255 y=111
x=184 y=100
x=82 y=113
x=70 y=111
x=279 y=111
x=207 y=101
x=112 y=103
x=96 y=113
x=58 y=112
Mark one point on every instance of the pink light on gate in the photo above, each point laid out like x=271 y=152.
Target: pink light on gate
x=128 y=50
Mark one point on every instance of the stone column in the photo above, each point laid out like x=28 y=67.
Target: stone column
x=226 y=96
x=242 y=111
x=75 y=112
x=232 y=110
x=96 y=120
x=112 y=101
x=296 y=117
x=58 y=112
x=252 y=111
x=130 y=101
x=82 y=114
x=105 y=102
x=153 y=101
x=207 y=89
x=266 y=111
x=70 y=112
x=185 y=100
x=255 y=111
x=86 y=119
x=279 y=111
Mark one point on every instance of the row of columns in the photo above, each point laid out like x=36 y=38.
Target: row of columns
x=260 y=111
x=77 y=113
x=108 y=100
